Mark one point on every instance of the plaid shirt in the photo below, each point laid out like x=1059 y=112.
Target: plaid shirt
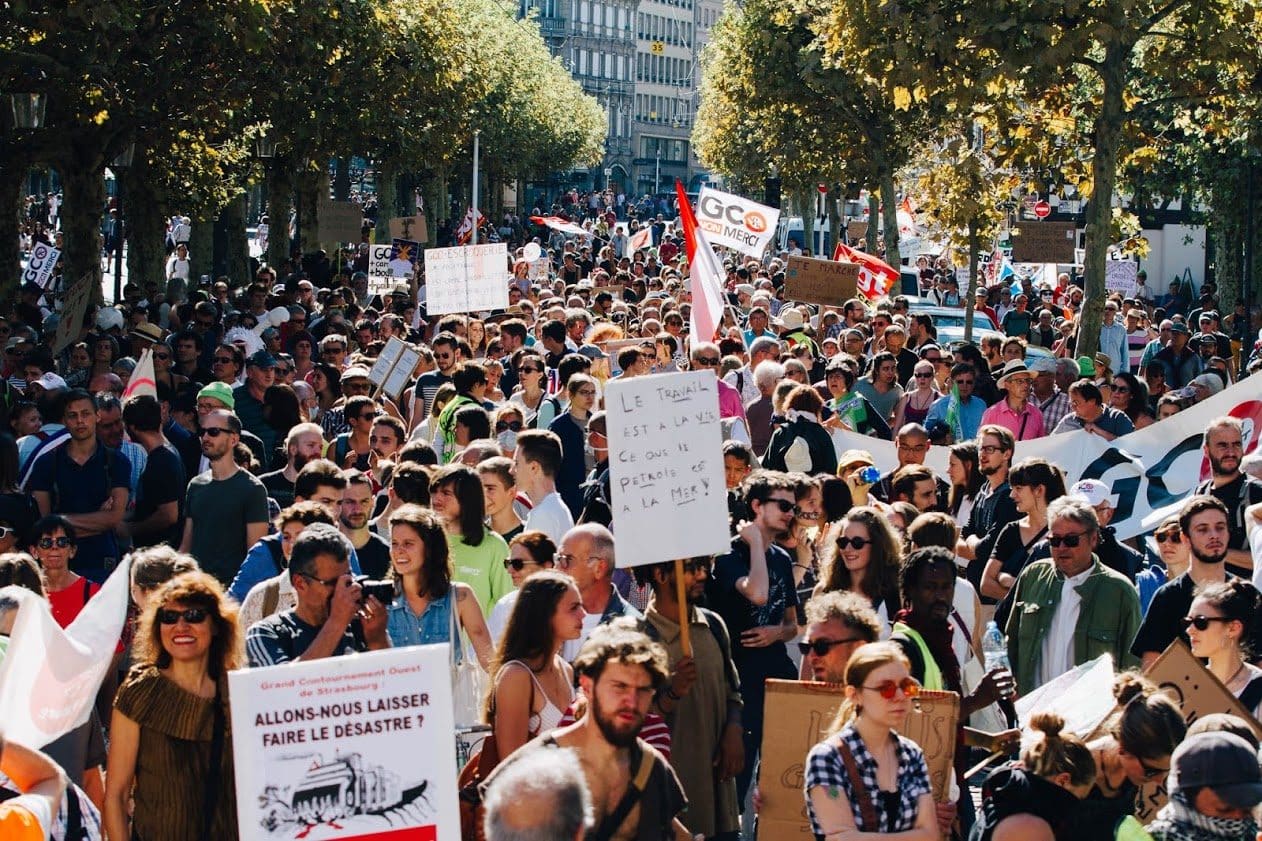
x=1053 y=409
x=825 y=767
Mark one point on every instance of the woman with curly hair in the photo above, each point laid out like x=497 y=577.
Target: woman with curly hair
x=866 y=561
x=170 y=749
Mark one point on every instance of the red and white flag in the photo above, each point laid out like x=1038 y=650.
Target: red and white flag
x=642 y=238
x=565 y=226
x=705 y=273
x=876 y=277
x=465 y=232
x=142 y=379
x=50 y=676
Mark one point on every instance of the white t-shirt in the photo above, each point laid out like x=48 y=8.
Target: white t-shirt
x=497 y=621
x=551 y=517
x=178 y=268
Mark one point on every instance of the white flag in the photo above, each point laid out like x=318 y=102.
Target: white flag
x=142 y=379
x=50 y=676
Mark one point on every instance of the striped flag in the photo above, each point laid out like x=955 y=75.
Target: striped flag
x=465 y=232
x=642 y=238
x=704 y=272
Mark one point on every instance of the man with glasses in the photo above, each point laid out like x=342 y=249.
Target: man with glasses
x=753 y=589
x=1015 y=411
x=1045 y=391
x=960 y=410
x=226 y=364
x=1070 y=608
x=838 y=623
x=912 y=446
x=706 y=356
x=586 y=554
x=226 y=506
x=330 y=617
x=333 y=350
x=993 y=507
x=1224 y=450
x=353 y=449
x=447 y=357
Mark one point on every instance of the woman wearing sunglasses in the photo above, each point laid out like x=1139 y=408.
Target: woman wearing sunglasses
x=1142 y=735
x=169 y=728
x=866 y=561
x=529 y=552
x=888 y=789
x=53 y=543
x=1175 y=554
x=531 y=393
x=1216 y=625
x=425 y=595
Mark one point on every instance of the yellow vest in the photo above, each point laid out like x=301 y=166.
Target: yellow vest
x=933 y=674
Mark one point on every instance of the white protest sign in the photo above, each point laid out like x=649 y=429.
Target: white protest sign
x=736 y=222
x=359 y=746
x=73 y=310
x=401 y=372
x=389 y=355
x=40 y=263
x=468 y=278
x=666 y=467
x=379 y=260
x=1119 y=275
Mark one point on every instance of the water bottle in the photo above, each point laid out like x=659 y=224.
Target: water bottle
x=995 y=650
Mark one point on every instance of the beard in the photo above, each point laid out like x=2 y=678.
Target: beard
x=300 y=461
x=1206 y=558
x=1217 y=467
x=616 y=734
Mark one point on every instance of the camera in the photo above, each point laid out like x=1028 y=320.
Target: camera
x=383 y=590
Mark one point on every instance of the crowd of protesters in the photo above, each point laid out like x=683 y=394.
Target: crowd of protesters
x=277 y=505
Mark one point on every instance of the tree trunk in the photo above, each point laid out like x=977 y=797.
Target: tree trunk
x=280 y=194
x=342 y=180
x=83 y=185
x=874 y=210
x=974 y=248
x=236 y=244
x=889 y=218
x=144 y=221
x=201 y=250
x=835 y=199
x=1108 y=139
x=387 y=200
x=11 y=184
x=311 y=185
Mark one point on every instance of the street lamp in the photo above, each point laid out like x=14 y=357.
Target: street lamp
x=120 y=164
x=28 y=109
x=264 y=146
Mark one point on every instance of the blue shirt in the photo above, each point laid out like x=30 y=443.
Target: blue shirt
x=970 y=414
x=432 y=626
x=260 y=564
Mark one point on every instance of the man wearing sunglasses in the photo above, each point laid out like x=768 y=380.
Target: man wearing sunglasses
x=838 y=623
x=1070 y=608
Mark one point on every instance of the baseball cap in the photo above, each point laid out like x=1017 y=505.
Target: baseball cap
x=355 y=372
x=261 y=359
x=1092 y=491
x=221 y=392
x=1220 y=761
x=50 y=382
x=1085 y=367
x=1179 y=327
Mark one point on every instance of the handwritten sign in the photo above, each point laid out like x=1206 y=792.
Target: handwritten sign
x=40 y=264
x=820 y=281
x=409 y=227
x=1119 y=275
x=402 y=371
x=73 y=310
x=798 y=717
x=856 y=229
x=339 y=221
x=469 y=278
x=666 y=467
x=379 y=260
x=389 y=355
x=328 y=748
x=1045 y=242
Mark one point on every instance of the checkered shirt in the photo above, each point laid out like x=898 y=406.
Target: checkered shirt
x=825 y=767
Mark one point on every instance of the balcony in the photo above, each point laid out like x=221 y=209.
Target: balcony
x=552 y=28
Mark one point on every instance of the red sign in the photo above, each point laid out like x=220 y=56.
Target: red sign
x=1042 y=209
x=823 y=188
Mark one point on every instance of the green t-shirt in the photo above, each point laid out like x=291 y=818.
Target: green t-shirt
x=482 y=567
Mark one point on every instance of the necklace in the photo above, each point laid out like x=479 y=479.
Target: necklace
x=1232 y=679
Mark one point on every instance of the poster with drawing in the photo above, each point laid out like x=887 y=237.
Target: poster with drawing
x=328 y=748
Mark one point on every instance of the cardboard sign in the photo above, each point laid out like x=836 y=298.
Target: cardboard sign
x=40 y=263
x=470 y=278
x=1045 y=242
x=409 y=227
x=856 y=230
x=666 y=467
x=1119 y=275
x=798 y=717
x=329 y=748
x=73 y=309
x=402 y=371
x=820 y=281
x=339 y=222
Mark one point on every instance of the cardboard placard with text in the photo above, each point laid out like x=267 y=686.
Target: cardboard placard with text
x=73 y=309
x=798 y=715
x=339 y=222
x=1120 y=275
x=856 y=229
x=1045 y=242
x=820 y=281
x=409 y=227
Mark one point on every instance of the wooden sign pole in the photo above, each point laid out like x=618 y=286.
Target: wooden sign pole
x=681 y=597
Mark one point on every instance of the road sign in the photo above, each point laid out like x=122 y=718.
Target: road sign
x=1042 y=209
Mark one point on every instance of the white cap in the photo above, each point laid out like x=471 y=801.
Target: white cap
x=50 y=382
x=1093 y=492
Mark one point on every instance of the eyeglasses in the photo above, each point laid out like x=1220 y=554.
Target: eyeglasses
x=1121 y=388
x=525 y=369
x=963 y=382
x=327 y=582
x=215 y=431
x=191 y=615
x=784 y=505
x=857 y=542
x=923 y=375
x=284 y=372
x=820 y=648
x=887 y=689
x=922 y=448
x=1070 y=540
x=60 y=542
x=505 y=426
x=517 y=564
x=1201 y=622
x=1150 y=772
x=707 y=360
x=565 y=561
x=225 y=360
x=6 y=532
x=1168 y=537
x=587 y=392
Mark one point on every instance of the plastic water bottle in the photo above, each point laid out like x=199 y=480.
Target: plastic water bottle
x=995 y=648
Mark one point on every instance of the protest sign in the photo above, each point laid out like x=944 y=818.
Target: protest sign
x=1119 y=275
x=467 y=278
x=73 y=309
x=402 y=371
x=539 y=269
x=614 y=345
x=405 y=256
x=409 y=228
x=385 y=361
x=666 y=467
x=736 y=222
x=379 y=255
x=820 y=281
x=329 y=748
x=40 y=263
x=1082 y=696
x=1045 y=242
x=856 y=229
x=798 y=717
x=339 y=222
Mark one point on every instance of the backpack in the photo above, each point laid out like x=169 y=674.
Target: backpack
x=556 y=407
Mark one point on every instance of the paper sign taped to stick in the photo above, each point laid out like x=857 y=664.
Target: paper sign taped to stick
x=73 y=309
x=468 y=278
x=798 y=715
x=820 y=281
x=666 y=467
x=1045 y=242
x=409 y=227
x=329 y=748
x=40 y=264
x=1119 y=275
x=339 y=222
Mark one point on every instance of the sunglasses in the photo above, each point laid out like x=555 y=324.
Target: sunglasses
x=6 y=532
x=525 y=369
x=924 y=376
x=887 y=689
x=284 y=372
x=857 y=542
x=963 y=382
x=215 y=431
x=708 y=360
x=517 y=564
x=505 y=426
x=191 y=615
x=1168 y=537
x=783 y=504
x=1070 y=540
x=1201 y=622
x=820 y=648
x=224 y=360
x=60 y=542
